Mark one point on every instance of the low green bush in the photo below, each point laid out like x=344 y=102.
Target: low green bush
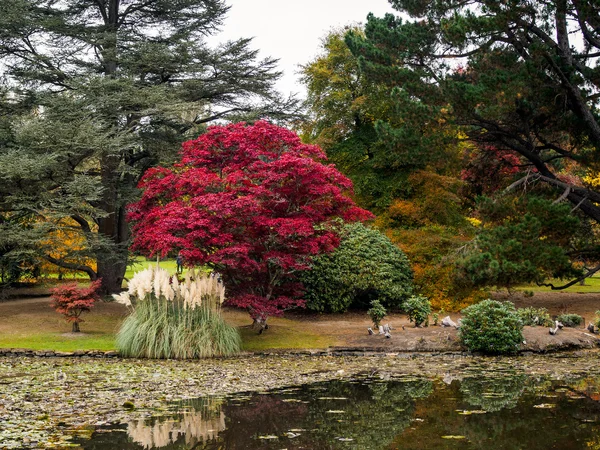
x=366 y=266
x=377 y=312
x=570 y=320
x=418 y=309
x=532 y=317
x=491 y=327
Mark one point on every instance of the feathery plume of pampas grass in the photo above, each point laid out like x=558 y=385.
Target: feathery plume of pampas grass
x=170 y=319
x=123 y=298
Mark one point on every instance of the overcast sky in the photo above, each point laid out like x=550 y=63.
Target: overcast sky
x=291 y=30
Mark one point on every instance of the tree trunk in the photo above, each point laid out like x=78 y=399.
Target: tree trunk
x=259 y=325
x=112 y=272
x=112 y=258
x=75 y=327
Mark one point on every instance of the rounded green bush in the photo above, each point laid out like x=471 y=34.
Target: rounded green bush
x=532 y=317
x=418 y=309
x=491 y=327
x=366 y=266
x=377 y=312
x=570 y=320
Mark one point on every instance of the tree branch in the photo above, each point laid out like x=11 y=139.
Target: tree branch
x=72 y=266
x=572 y=282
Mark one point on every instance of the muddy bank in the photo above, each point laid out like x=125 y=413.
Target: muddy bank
x=445 y=339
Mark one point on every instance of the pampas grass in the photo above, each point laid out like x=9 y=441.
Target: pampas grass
x=175 y=320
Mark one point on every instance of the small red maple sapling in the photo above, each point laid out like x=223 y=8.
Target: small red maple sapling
x=71 y=301
x=252 y=202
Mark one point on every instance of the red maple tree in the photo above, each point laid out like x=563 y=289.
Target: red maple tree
x=71 y=301
x=251 y=201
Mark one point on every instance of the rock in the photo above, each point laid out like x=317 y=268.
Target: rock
x=448 y=322
x=19 y=351
x=370 y=330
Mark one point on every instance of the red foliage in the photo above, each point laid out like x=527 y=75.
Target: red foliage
x=71 y=300
x=489 y=169
x=251 y=201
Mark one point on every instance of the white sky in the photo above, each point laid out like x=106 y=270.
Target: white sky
x=291 y=31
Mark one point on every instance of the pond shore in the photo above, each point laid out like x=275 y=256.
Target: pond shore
x=44 y=401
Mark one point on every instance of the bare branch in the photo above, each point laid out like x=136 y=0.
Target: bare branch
x=588 y=274
x=72 y=266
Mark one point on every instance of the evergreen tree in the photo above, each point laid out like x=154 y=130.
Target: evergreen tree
x=99 y=91
x=515 y=78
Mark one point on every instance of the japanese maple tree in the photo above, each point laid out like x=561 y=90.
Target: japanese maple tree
x=72 y=301
x=251 y=201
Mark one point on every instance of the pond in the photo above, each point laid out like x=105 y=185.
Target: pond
x=493 y=412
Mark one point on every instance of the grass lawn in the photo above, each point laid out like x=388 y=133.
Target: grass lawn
x=33 y=324
x=139 y=263
x=592 y=285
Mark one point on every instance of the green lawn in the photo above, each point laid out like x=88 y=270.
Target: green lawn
x=139 y=263
x=55 y=341
x=33 y=324
x=592 y=285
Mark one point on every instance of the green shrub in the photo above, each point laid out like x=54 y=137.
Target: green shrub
x=532 y=317
x=173 y=320
x=376 y=312
x=365 y=267
x=491 y=327
x=570 y=320
x=597 y=319
x=418 y=309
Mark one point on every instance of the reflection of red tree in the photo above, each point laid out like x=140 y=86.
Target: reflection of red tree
x=267 y=408
x=263 y=415
x=488 y=169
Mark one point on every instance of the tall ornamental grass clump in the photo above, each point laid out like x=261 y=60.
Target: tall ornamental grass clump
x=175 y=320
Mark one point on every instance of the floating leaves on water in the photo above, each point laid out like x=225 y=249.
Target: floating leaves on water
x=291 y=435
x=469 y=412
x=545 y=405
x=492 y=395
x=29 y=392
x=452 y=436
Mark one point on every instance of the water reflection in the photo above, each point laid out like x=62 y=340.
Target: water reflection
x=202 y=422
x=493 y=393
x=493 y=412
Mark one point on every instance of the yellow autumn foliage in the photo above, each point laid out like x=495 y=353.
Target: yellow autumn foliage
x=65 y=243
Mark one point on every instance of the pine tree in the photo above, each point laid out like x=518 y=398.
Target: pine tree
x=99 y=91
x=516 y=78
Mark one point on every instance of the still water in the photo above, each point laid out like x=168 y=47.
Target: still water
x=498 y=412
